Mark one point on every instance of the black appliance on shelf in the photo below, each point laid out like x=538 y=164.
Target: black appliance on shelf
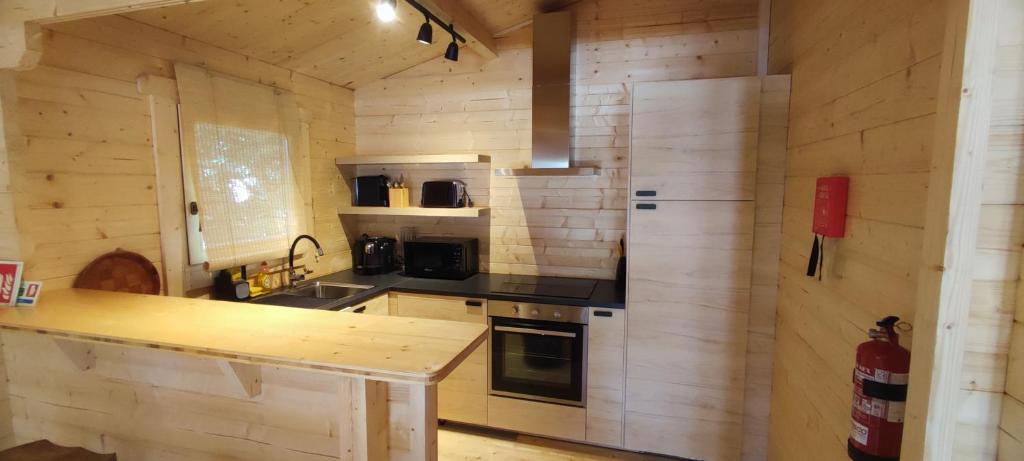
x=442 y=258
x=374 y=255
x=444 y=194
x=371 y=191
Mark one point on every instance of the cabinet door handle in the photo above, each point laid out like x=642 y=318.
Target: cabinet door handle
x=359 y=310
x=474 y=303
x=603 y=313
x=646 y=206
x=646 y=193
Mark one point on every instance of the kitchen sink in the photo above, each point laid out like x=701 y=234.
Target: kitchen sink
x=289 y=300
x=316 y=295
x=324 y=290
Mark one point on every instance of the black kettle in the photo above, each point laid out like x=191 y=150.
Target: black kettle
x=374 y=255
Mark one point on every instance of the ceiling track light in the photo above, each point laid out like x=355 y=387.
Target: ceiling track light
x=426 y=34
x=452 y=53
x=387 y=12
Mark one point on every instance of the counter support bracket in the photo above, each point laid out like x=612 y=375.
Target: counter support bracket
x=81 y=354
x=248 y=376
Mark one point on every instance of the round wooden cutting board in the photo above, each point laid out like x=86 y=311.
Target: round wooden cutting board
x=120 y=271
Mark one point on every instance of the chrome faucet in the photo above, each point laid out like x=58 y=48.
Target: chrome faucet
x=294 y=277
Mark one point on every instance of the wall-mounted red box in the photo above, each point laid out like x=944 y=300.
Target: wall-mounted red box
x=830 y=196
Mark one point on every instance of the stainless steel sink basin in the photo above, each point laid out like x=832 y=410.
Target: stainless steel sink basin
x=324 y=290
x=287 y=300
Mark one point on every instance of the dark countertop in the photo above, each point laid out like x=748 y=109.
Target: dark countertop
x=478 y=286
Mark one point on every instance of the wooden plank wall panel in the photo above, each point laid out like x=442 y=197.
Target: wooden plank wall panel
x=1006 y=152
x=764 y=279
x=203 y=415
x=85 y=184
x=864 y=86
x=11 y=140
x=552 y=226
x=10 y=248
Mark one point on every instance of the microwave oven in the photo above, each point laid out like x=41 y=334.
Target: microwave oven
x=442 y=258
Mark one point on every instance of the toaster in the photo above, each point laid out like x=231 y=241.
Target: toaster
x=444 y=194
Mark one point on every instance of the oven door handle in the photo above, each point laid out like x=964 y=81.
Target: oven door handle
x=531 y=331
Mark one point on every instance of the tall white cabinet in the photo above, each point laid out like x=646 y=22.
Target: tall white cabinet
x=692 y=181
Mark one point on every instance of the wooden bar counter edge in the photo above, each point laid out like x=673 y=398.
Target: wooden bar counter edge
x=367 y=351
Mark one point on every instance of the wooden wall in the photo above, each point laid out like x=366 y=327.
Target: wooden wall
x=551 y=226
x=1006 y=150
x=764 y=278
x=864 y=86
x=994 y=292
x=150 y=404
x=9 y=242
x=85 y=182
x=9 y=248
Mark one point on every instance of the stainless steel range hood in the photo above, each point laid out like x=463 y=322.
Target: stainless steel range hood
x=552 y=97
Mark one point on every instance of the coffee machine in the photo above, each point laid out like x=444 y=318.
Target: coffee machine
x=374 y=255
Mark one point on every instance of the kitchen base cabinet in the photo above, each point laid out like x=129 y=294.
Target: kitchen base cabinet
x=606 y=351
x=462 y=396
x=529 y=417
x=374 y=306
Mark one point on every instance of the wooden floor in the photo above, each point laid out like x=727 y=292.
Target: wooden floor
x=457 y=443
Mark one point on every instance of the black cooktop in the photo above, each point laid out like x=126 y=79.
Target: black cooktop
x=561 y=288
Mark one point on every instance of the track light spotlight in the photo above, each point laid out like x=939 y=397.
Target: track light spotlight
x=452 y=53
x=426 y=35
x=386 y=10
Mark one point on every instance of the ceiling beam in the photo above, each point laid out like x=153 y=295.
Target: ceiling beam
x=19 y=22
x=44 y=11
x=478 y=38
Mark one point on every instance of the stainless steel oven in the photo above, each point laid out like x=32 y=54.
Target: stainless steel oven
x=538 y=352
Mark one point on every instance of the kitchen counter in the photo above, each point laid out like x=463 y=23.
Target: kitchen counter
x=140 y=367
x=381 y=348
x=481 y=285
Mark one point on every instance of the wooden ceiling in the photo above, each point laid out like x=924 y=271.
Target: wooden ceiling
x=339 y=41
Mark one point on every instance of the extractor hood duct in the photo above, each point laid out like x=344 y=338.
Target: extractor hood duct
x=552 y=98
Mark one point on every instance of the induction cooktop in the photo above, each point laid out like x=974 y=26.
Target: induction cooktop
x=547 y=287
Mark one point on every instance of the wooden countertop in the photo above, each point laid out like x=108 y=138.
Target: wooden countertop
x=396 y=349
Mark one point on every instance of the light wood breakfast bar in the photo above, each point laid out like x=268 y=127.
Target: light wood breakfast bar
x=154 y=377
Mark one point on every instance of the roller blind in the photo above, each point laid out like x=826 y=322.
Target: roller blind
x=245 y=163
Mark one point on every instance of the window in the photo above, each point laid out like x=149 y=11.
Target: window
x=242 y=155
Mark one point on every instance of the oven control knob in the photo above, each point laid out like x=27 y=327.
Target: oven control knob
x=515 y=309
x=535 y=313
x=557 y=315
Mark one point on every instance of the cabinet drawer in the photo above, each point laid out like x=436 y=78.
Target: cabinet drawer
x=472 y=310
x=373 y=306
x=546 y=419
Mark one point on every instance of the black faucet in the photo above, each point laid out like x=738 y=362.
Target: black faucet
x=292 y=276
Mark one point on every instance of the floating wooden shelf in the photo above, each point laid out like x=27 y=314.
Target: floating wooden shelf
x=415 y=211
x=411 y=159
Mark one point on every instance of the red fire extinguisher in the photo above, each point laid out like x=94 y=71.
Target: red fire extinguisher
x=879 y=395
